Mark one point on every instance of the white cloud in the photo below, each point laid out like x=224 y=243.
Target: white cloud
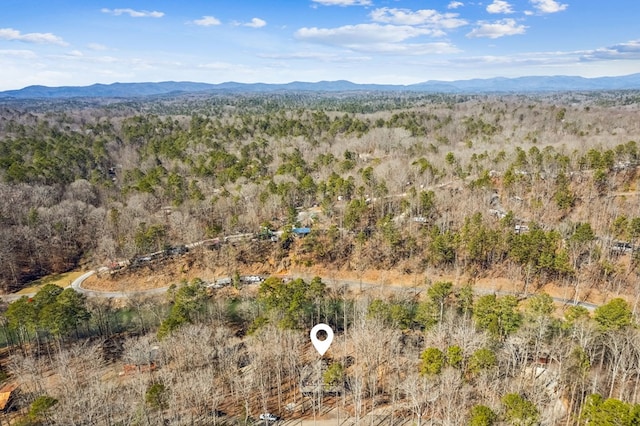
x=419 y=17
x=316 y=56
x=78 y=56
x=499 y=6
x=97 y=46
x=548 y=6
x=629 y=51
x=133 y=13
x=361 y=34
x=388 y=39
x=455 y=5
x=256 y=23
x=504 y=27
x=343 y=2
x=519 y=60
x=39 y=38
x=622 y=51
x=217 y=66
x=414 y=49
x=18 y=53
x=207 y=21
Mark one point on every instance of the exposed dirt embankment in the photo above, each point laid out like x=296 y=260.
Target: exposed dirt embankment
x=163 y=273
x=173 y=271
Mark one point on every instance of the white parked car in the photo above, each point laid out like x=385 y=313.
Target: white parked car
x=269 y=417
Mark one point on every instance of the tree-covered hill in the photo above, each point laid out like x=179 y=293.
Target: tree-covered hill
x=532 y=189
x=533 y=84
x=538 y=187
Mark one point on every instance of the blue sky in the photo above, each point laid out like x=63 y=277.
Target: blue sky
x=73 y=42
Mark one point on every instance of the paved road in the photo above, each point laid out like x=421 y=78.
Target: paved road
x=77 y=286
x=356 y=285
x=348 y=284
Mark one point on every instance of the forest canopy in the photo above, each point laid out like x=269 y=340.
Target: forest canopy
x=390 y=181
x=441 y=191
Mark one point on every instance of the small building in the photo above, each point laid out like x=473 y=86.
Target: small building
x=620 y=247
x=301 y=232
x=312 y=383
x=420 y=219
x=142 y=361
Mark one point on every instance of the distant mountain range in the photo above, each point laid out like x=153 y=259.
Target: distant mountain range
x=491 y=85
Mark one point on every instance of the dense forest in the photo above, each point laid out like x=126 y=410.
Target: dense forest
x=533 y=189
x=448 y=358
x=412 y=183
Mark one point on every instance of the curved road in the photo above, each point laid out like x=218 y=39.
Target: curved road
x=77 y=285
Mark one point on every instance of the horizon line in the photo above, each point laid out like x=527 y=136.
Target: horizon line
x=499 y=77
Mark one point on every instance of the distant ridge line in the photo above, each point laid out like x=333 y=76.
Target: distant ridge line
x=490 y=85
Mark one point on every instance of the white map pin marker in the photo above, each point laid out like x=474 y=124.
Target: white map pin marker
x=321 y=345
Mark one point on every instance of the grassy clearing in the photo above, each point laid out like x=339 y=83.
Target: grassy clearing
x=61 y=280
